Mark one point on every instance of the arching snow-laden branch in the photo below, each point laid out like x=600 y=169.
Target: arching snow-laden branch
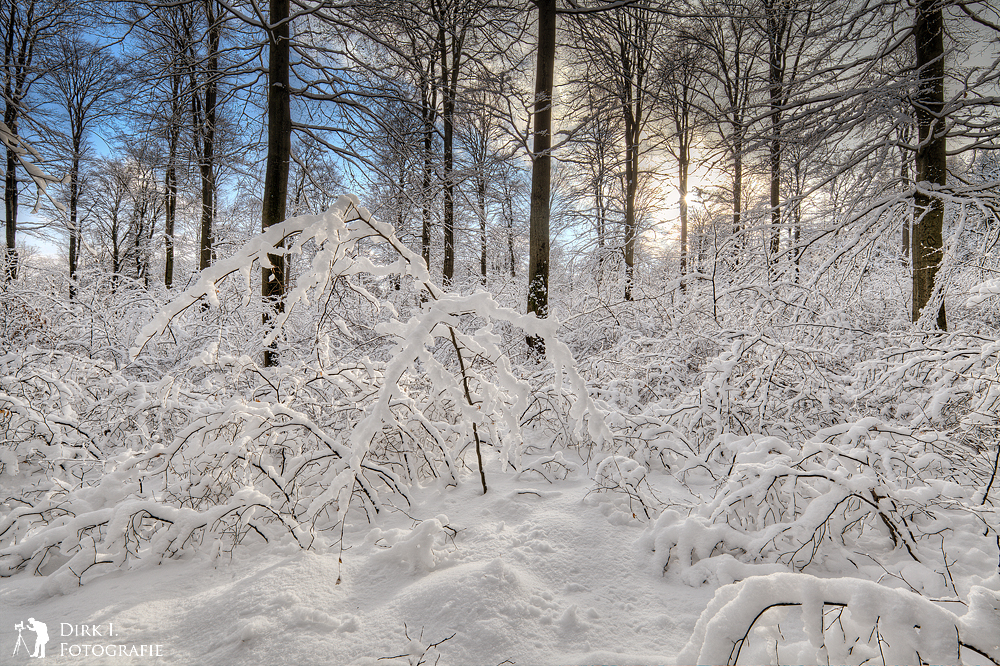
x=220 y=449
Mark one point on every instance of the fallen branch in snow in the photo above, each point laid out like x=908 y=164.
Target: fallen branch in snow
x=418 y=652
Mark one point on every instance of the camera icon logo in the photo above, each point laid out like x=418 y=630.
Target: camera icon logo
x=41 y=631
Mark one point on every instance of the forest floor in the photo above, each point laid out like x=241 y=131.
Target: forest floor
x=530 y=573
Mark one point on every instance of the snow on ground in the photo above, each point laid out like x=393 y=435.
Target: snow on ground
x=530 y=573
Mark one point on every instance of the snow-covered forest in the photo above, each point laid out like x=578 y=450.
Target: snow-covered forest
x=461 y=332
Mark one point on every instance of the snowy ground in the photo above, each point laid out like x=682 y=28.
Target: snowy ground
x=534 y=574
x=740 y=463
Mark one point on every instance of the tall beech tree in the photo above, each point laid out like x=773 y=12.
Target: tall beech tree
x=204 y=73
x=725 y=30
x=681 y=70
x=931 y=159
x=541 y=168
x=29 y=28
x=279 y=148
x=84 y=85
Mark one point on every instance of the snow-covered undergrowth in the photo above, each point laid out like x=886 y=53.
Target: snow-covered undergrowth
x=794 y=456
x=842 y=621
x=738 y=438
x=117 y=471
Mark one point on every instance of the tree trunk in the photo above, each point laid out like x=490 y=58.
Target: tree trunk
x=797 y=217
x=931 y=161
x=541 y=169
x=170 y=176
x=138 y=217
x=631 y=187
x=170 y=211
x=10 y=197
x=682 y=178
x=74 y=199
x=904 y=175
x=449 y=90
x=448 y=221
x=11 y=89
x=481 y=212
x=510 y=234
x=279 y=148
x=738 y=191
x=207 y=165
x=777 y=25
x=428 y=100
x=116 y=261
x=601 y=224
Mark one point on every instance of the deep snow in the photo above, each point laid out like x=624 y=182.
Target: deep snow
x=533 y=574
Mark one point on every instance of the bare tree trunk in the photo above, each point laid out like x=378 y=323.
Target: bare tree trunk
x=682 y=178
x=448 y=115
x=207 y=165
x=797 y=217
x=449 y=90
x=931 y=162
x=541 y=169
x=738 y=190
x=448 y=221
x=138 y=219
x=481 y=211
x=400 y=220
x=634 y=47
x=777 y=26
x=116 y=256
x=170 y=184
x=11 y=88
x=510 y=234
x=601 y=228
x=904 y=175
x=631 y=187
x=10 y=198
x=74 y=199
x=428 y=100
x=279 y=148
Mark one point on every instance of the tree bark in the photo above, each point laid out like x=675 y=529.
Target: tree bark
x=74 y=199
x=633 y=45
x=631 y=187
x=510 y=234
x=207 y=164
x=428 y=102
x=10 y=199
x=931 y=159
x=170 y=185
x=449 y=91
x=904 y=176
x=279 y=148
x=481 y=213
x=541 y=169
x=682 y=178
x=738 y=192
x=12 y=65
x=777 y=26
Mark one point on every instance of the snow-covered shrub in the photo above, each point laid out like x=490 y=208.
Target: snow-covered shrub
x=864 y=486
x=218 y=450
x=841 y=621
x=625 y=476
x=101 y=322
x=673 y=401
x=57 y=409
